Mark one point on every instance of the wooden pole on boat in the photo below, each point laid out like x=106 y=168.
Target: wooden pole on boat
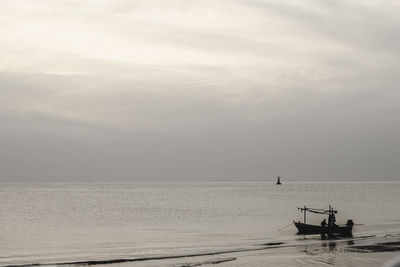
x=305 y=214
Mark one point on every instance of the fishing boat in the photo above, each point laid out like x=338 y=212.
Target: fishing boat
x=330 y=228
x=278 y=180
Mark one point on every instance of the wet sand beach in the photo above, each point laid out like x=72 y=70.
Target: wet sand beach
x=312 y=251
x=362 y=251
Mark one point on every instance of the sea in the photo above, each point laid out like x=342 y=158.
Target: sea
x=139 y=223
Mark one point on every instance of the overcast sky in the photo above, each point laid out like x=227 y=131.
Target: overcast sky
x=205 y=90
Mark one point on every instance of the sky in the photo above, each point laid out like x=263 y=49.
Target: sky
x=210 y=90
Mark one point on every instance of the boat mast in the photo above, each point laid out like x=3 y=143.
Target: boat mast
x=305 y=209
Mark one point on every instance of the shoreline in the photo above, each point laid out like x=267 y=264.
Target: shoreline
x=369 y=250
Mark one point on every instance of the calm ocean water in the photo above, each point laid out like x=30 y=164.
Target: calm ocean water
x=66 y=222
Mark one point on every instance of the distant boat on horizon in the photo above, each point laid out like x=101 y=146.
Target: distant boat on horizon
x=279 y=180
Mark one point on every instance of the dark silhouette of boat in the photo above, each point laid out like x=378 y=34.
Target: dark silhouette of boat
x=330 y=228
x=278 y=180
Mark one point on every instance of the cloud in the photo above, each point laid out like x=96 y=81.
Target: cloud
x=213 y=89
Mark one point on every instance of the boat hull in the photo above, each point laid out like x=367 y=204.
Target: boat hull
x=309 y=229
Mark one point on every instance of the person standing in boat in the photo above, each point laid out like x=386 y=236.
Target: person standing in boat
x=332 y=218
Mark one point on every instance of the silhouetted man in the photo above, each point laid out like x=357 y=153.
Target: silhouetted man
x=323 y=225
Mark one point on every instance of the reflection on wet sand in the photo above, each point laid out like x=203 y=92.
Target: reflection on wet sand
x=369 y=244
